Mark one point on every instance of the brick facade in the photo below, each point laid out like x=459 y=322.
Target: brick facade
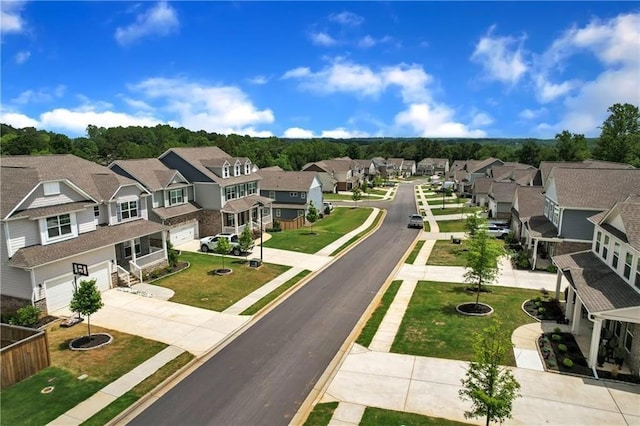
x=10 y=304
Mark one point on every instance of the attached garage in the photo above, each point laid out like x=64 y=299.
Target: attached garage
x=184 y=233
x=60 y=289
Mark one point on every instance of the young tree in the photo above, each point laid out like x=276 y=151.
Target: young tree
x=571 y=146
x=245 y=241
x=172 y=255
x=312 y=214
x=223 y=247
x=620 y=137
x=86 y=300
x=474 y=222
x=490 y=387
x=356 y=195
x=483 y=252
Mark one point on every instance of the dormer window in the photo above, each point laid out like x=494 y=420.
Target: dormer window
x=638 y=274
x=237 y=170
x=225 y=171
x=616 y=255
x=176 y=196
x=628 y=261
x=247 y=168
x=128 y=210
x=59 y=226
x=605 y=247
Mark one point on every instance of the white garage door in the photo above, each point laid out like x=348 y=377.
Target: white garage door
x=60 y=290
x=182 y=234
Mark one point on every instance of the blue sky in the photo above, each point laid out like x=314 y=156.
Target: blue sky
x=320 y=69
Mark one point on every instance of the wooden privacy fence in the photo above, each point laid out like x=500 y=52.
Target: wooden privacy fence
x=24 y=352
x=289 y=224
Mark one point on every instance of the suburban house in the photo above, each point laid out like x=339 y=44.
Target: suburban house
x=545 y=168
x=472 y=170
x=292 y=192
x=528 y=202
x=348 y=173
x=408 y=168
x=432 y=166
x=394 y=166
x=480 y=191
x=572 y=195
x=227 y=188
x=328 y=182
x=605 y=282
x=501 y=199
x=64 y=218
x=379 y=168
x=171 y=202
x=522 y=174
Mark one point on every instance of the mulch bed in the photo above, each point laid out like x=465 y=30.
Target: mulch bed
x=86 y=342
x=545 y=309
x=167 y=270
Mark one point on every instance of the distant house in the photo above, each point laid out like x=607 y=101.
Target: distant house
x=432 y=166
x=292 y=192
x=172 y=196
x=501 y=199
x=379 y=168
x=605 y=282
x=62 y=215
x=528 y=202
x=472 y=170
x=480 y=191
x=349 y=174
x=547 y=166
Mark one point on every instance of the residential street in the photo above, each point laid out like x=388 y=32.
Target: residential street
x=264 y=375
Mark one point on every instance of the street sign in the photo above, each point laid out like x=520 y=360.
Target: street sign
x=80 y=269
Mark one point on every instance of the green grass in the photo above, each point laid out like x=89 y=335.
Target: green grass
x=445 y=253
x=432 y=327
x=321 y=414
x=325 y=231
x=438 y=201
x=353 y=239
x=198 y=286
x=451 y=225
x=370 y=329
x=414 y=253
x=140 y=390
x=382 y=192
x=453 y=210
x=378 y=416
x=275 y=293
x=336 y=197
x=427 y=226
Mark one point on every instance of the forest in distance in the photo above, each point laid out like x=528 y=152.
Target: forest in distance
x=619 y=141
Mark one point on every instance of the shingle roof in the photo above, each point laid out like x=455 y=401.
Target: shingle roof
x=21 y=174
x=599 y=287
x=597 y=189
x=335 y=165
x=530 y=201
x=540 y=227
x=503 y=192
x=211 y=156
x=245 y=203
x=274 y=180
x=103 y=236
x=150 y=172
x=546 y=166
x=475 y=165
x=629 y=211
x=482 y=185
x=174 y=211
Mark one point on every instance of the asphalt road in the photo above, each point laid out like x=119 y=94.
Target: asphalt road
x=263 y=376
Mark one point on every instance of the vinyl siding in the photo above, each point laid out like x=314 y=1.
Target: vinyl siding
x=38 y=199
x=208 y=195
x=575 y=224
x=15 y=281
x=64 y=267
x=22 y=233
x=85 y=221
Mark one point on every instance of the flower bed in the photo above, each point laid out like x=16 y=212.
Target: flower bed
x=561 y=353
x=544 y=308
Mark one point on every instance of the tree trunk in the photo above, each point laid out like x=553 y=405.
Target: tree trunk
x=478 y=292
x=89 y=325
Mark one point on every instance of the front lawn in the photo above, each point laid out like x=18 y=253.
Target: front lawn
x=102 y=366
x=445 y=253
x=432 y=327
x=311 y=239
x=453 y=210
x=198 y=286
x=438 y=201
x=377 y=416
x=452 y=225
x=336 y=197
x=253 y=309
x=321 y=414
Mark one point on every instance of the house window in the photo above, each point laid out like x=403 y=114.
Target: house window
x=96 y=211
x=127 y=247
x=638 y=274
x=556 y=215
x=128 y=210
x=617 y=328
x=616 y=255
x=605 y=247
x=225 y=172
x=242 y=190
x=278 y=213
x=51 y=188
x=628 y=338
x=272 y=195
x=598 y=239
x=236 y=170
x=176 y=196
x=247 y=169
x=59 y=226
x=230 y=193
x=293 y=194
x=229 y=219
x=251 y=188
x=303 y=195
x=628 y=261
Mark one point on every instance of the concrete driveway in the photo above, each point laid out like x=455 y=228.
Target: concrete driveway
x=195 y=330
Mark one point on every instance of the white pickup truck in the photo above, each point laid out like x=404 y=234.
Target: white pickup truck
x=209 y=243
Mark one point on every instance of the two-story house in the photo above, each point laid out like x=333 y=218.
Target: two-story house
x=605 y=282
x=433 y=166
x=408 y=168
x=394 y=166
x=58 y=211
x=572 y=195
x=291 y=192
x=172 y=200
x=528 y=202
x=500 y=199
x=348 y=173
x=227 y=188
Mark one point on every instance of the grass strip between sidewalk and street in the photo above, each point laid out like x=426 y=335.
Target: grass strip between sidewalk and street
x=275 y=293
x=378 y=416
x=321 y=414
x=414 y=253
x=355 y=238
x=371 y=327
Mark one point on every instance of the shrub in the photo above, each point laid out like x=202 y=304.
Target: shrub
x=521 y=260
x=562 y=347
x=276 y=226
x=567 y=363
x=552 y=268
x=556 y=338
x=541 y=310
x=551 y=362
x=557 y=330
x=27 y=316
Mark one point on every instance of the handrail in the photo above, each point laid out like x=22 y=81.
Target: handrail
x=138 y=270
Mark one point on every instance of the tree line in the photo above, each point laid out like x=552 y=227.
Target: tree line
x=619 y=141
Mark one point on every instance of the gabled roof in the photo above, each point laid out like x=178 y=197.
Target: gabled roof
x=482 y=185
x=475 y=165
x=335 y=165
x=436 y=162
x=278 y=180
x=596 y=189
x=396 y=162
x=150 y=172
x=530 y=201
x=22 y=174
x=546 y=166
x=204 y=159
x=629 y=213
x=503 y=192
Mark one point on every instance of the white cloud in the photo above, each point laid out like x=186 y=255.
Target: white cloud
x=76 y=121
x=501 y=57
x=547 y=91
x=297 y=133
x=137 y=104
x=530 y=114
x=437 y=121
x=297 y=73
x=342 y=133
x=481 y=119
x=11 y=20
x=346 y=18
x=160 y=20
x=39 y=96
x=22 y=56
x=258 y=80
x=369 y=41
x=322 y=39
x=222 y=109
x=17 y=120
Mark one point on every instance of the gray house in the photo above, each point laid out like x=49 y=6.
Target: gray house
x=291 y=192
x=501 y=199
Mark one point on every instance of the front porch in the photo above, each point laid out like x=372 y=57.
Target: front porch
x=139 y=255
x=254 y=212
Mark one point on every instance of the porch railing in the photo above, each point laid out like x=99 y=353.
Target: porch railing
x=156 y=256
x=135 y=270
x=123 y=274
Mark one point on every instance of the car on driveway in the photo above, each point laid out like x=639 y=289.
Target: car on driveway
x=498 y=231
x=208 y=244
x=327 y=204
x=416 y=221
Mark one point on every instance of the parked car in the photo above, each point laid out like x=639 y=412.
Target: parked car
x=327 y=204
x=498 y=231
x=209 y=243
x=416 y=221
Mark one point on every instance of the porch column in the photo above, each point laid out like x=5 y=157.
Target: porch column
x=595 y=342
x=558 y=283
x=535 y=253
x=577 y=315
x=164 y=245
x=133 y=250
x=568 y=314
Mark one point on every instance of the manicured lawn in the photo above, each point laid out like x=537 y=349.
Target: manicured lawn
x=381 y=192
x=438 y=201
x=336 y=197
x=370 y=329
x=414 y=253
x=324 y=232
x=353 y=239
x=432 y=327
x=427 y=226
x=199 y=286
x=445 y=253
x=103 y=366
x=451 y=225
x=275 y=293
x=321 y=414
x=378 y=416
x=452 y=210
